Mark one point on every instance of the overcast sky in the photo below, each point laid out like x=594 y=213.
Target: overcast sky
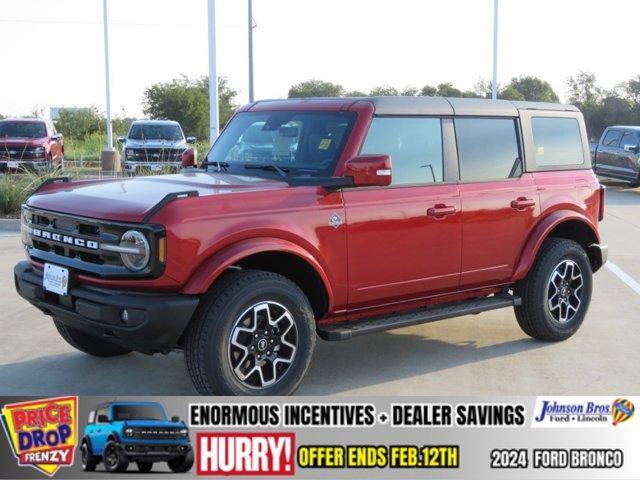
x=52 y=50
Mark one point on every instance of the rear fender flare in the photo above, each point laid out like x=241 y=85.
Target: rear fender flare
x=209 y=271
x=540 y=233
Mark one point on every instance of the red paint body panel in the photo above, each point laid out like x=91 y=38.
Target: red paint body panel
x=397 y=247
x=54 y=149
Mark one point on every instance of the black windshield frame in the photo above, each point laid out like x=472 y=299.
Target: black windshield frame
x=297 y=165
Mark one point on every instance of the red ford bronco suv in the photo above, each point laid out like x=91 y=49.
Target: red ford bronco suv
x=337 y=216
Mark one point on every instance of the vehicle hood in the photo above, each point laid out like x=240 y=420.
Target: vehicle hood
x=22 y=142
x=153 y=423
x=131 y=199
x=155 y=144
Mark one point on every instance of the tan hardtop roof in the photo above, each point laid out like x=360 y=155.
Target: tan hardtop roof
x=399 y=105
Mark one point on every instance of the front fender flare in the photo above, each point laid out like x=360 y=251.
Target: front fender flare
x=539 y=235
x=214 y=266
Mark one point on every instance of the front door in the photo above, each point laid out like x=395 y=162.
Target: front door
x=607 y=153
x=404 y=240
x=499 y=202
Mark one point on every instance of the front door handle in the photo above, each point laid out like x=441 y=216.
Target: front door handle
x=523 y=202
x=441 y=210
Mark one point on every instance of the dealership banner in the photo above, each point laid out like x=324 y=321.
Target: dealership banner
x=321 y=438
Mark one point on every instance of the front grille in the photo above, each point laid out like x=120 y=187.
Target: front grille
x=20 y=152
x=151 y=155
x=155 y=433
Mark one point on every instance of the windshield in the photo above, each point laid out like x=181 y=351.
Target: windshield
x=298 y=143
x=23 y=129
x=155 y=132
x=138 y=412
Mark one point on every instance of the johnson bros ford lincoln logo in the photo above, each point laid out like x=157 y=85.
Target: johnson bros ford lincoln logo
x=42 y=433
x=575 y=412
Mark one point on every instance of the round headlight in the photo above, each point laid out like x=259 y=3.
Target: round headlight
x=138 y=256
x=129 y=432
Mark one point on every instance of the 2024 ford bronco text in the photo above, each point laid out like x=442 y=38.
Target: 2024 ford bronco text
x=336 y=216
x=119 y=433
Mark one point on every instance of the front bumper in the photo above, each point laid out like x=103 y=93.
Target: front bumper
x=155 y=322
x=133 y=167
x=153 y=452
x=16 y=165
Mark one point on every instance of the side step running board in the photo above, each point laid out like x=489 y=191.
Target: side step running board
x=346 y=330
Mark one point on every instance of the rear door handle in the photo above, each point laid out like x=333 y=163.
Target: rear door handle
x=521 y=203
x=441 y=210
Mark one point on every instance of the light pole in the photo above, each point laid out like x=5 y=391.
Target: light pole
x=213 y=74
x=494 y=83
x=106 y=73
x=250 y=50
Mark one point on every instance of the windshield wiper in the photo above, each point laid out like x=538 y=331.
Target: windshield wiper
x=219 y=165
x=283 y=171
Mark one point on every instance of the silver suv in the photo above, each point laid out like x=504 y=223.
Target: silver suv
x=153 y=145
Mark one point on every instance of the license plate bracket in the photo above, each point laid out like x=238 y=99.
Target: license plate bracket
x=55 y=279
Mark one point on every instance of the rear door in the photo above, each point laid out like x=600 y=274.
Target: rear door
x=607 y=152
x=499 y=202
x=404 y=239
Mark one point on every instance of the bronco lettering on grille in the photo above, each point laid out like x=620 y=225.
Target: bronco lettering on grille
x=68 y=239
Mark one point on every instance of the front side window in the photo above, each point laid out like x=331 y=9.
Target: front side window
x=138 y=412
x=612 y=138
x=629 y=138
x=557 y=141
x=155 y=132
x=487 y=149
x=303 y=144
x=414 y=145
x=22 y=129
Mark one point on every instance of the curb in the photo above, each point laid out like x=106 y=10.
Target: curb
x=9 y=225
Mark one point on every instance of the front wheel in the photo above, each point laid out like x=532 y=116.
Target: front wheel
x=556 y=292
x=182 y=464
x=113 y=459
x=254 y=334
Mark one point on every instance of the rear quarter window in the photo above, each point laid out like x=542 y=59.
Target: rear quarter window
x=557 y=141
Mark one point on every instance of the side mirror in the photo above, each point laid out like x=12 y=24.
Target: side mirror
x=122 y=139
x=175 y=419
x=191 y=139
x=631 y=148
x=189 y=158
x=56 y=137
x=103 y=419
x=369 y=170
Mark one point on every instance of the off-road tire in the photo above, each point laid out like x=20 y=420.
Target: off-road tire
x=533 y=314
x=145 y=467
x=206 y=339
x=182 y=464
x=122 y=462
x=89 y=461
x=88 y=344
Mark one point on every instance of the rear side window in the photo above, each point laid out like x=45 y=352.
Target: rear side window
x=557 y=141
x=487 y=149
x=612 y=138
x=414 y=145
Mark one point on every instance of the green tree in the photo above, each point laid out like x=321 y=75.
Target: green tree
x=448 y=90
x=530 y=88
x=355 y=93
x=79 y=122
x=316 y=88
x=409 y=91
x=428 y=91
x=386 y=91
x=583 y=88
x=510 y=92
x=187 y=101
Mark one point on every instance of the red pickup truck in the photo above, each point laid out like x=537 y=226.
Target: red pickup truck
x=339 y=217
x=29 y=144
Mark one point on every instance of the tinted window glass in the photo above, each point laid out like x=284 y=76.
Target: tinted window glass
x=629 y=138
x=22 y=129
x=612 y=138
x=102 y=411
x=557 y=141
x=137 y=412
x=487 y=148
x=414 y=145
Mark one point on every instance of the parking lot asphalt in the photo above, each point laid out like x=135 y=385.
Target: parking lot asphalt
x=485 y=354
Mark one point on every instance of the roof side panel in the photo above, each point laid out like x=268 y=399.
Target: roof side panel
x=545 y=106
x=411 y=105
x=483 y=107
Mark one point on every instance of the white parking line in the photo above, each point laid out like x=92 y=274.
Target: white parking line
x=631 y=283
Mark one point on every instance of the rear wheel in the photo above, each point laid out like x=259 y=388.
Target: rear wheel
x=254 y=334
x=556 y=292
x=88 y=344
x=113 y=459
x=182 y=464
x=89 y=461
